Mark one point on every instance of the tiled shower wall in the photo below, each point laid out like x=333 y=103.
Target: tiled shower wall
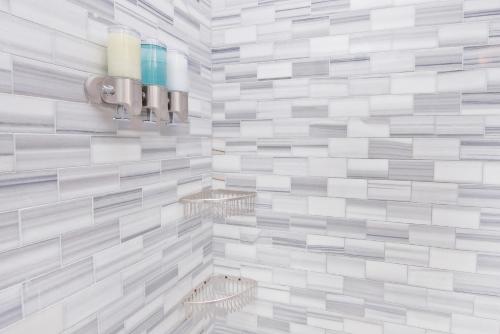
x=92 y=238
x=370 y=129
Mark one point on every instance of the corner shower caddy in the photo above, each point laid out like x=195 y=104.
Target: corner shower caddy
x=219 y=203
x=220 y=294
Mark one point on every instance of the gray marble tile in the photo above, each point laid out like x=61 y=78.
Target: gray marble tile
x=47 y=221
x=407 y=212
x=9 y=230
x=18 y=190
x=326 y=7
x=137 y=224
x=102 y=8
x=114 y=205
x=343 y=67
x=392 y=148
x=11 y=309
x=276 y=326
x=86 y=326
x=86 y=181
x=459 y=126
x=476 y=283
x=84 y=118
x=490 y=219
x=389 y=190
x=5 y=73
x=309 y=186
x=139 y=174
x=32 y=40
x=46 y=80
x=7 y=158
x=412 y=126
x=26 y=114
x=488 y=264
x=478 y=195
x=161 y=282
x=29 y=261
x=387 y=231
x=115 y=149
x=366 y=289
x=432 y=236
x=175 y=169
x=112 y=318
x=112 y=260
x=350 y=21
x=433 y=192
x=50 y=288
x=442 y=12
x=318 y=68
x=480 y=149
x=158 y=147
x=51 y=151
x=85 y=242
x=327 y=130
x=416 y=170
x=79 y=54
x=437 y=104
x=407 y=254
x=306 y=224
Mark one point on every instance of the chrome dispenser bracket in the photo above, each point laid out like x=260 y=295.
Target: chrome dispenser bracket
x=178 y=104
x=126 y=93
x=155 y=99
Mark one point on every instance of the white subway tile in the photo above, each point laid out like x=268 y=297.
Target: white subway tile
x=455 y=216
x=451 y=259
x=325 y=206
x=413 y=83
x=392 y=18
x=458 y=171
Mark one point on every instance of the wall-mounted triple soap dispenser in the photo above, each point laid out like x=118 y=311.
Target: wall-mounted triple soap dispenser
x=143 y=78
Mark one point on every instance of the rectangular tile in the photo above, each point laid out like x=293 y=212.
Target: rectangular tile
x=111 y=260
x=11 y=310
x=114 y=205
x=53 y=287
x=26 y=114
x=46 y=80
x=27 y=189
x=86 y=181
x=115 y=149
x=85 y=242
x=51 y=220
x=51 y=151
x=29 y=261
x=7 y=158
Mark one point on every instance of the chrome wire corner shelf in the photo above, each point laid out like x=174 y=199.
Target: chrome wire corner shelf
x=220 y=203
x=220 y=295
